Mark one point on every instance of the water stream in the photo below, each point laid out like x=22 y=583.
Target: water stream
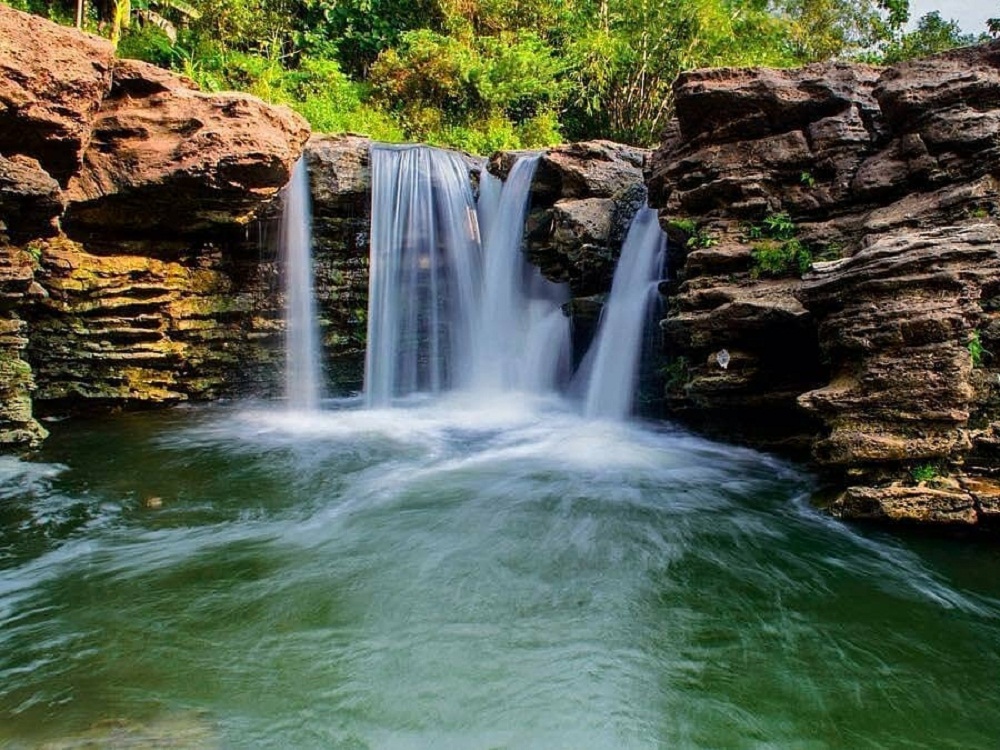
x=459 y=559
x=610 y=371
x=303 y=372
x=454 y=574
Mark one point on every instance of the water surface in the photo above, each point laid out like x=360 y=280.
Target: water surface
x=449 y=575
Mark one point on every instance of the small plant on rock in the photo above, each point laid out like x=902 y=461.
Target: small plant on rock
x=924 y=473
x=975 y=347
x=777 y=251
x=675 y=373
x=696 y=238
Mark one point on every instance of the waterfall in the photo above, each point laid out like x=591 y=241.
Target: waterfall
x=610 y=369
x=424 y=273
x=450 y=307
x=302 y=360
x=522 y=340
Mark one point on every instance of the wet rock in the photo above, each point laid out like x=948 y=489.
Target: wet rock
x=913 y=505
x=18 y=427
x=583 y=198
x=127 y=330
x=896 y=319
x=340 y=181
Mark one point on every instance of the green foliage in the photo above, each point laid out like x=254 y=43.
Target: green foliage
x=777 y=252
x=676 y=373
x=776 y=259
x=687 y=226
x=696 y=238
x=480 y=74
x=807 y=179
x=925 y=473
x=34 y=249
x=778 y=227
x=976 y=350
x=149 y=43
x=933 y=34
x=478 y=95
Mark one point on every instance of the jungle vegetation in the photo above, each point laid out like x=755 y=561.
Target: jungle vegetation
x=483 y=75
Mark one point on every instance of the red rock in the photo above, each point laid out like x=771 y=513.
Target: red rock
x=52 y=82
x=165 y=158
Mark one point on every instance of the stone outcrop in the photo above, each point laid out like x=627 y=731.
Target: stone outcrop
x=52 y=83
x=17 y=423
x=583 y=197
x=165 y=158
x=340 y=181
x=30 y=199
x=128 y=273
x=880 y=360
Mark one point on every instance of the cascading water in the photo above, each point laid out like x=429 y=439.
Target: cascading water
x=448 y=308
x=303 y=373
x=424 y=272
x=523 y=340
x=610 y=368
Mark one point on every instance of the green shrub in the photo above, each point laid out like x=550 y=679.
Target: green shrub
x=676 y=373
x=148 y=43
x=696 y=238
x=777 y=252
x=775 y=259
x=925 y=473
x=976 y=350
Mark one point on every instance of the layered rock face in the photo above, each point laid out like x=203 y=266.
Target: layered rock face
x=128 y=273
x=340 y=181
x=882 y=186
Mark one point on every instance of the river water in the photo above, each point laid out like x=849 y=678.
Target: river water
x=453 y=575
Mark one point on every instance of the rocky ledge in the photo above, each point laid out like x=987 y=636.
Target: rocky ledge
x=835 y=231
x=126 y=197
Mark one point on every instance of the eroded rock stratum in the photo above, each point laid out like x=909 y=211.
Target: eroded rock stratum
x=883 y=360
x=127 y=273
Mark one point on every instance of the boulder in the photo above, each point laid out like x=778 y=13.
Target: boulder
x=166 y=159
x=52 y=82
x=30 y=200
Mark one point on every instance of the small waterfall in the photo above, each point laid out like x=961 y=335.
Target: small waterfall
x=610 y=369
x=523 y=338
x=303 y=372
x=424 y=272
x=451 y=307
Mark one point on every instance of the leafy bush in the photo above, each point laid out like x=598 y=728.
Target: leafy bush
x=148 y=43
x=778 y=252
x=775 y=259
x=925 y=473
x=976 y=350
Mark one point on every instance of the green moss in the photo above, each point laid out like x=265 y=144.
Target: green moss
x=676 y=373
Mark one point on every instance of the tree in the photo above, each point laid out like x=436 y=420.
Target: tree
x=933 y=34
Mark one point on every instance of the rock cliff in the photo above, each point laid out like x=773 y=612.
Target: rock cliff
x=126 y=198
x=835 y=230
